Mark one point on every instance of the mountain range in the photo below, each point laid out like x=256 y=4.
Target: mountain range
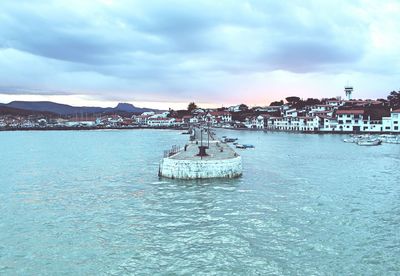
x=16 y=107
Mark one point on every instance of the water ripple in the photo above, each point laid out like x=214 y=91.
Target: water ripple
x=81 y=203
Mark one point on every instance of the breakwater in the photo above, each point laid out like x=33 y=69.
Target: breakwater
x=200 y=160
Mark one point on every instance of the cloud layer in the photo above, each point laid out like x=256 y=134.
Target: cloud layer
x=207 y=51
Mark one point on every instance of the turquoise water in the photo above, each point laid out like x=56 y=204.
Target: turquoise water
x=90 y=202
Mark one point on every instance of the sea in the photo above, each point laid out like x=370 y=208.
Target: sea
x=91 y=203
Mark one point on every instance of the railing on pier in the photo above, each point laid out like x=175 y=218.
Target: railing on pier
x=175 y=149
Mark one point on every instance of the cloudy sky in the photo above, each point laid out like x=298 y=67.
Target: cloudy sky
x=166 y=53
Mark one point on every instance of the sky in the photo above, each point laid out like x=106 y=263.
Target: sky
x=167 y=53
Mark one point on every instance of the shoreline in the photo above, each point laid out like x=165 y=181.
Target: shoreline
x=310 y=132
x=186 y=128
x=84 y=128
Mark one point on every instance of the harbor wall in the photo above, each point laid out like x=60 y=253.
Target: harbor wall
x=199 y=169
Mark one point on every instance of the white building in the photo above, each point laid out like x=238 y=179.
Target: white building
x=328 y=123
x=291 y=112
x=161 y=122
x=335 y=103
x=220 y=116
x=235 y=108
x=350 y=120
x=301 y=123
x=142 y=119
x=391 y=124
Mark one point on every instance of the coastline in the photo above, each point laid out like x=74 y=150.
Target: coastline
x=85 y=128
x=308 y=132
x=186 y=128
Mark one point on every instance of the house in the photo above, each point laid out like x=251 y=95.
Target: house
x=291 y=112
x=350 y=119
x=161 y=122
x=142 y=119
x=327 y=123
x=249 y=122
x=335 y=103
x=148 y=113
x=322 y=107
x=193 y=120
x=81 y=122
x=186 y=119
x=235 y=108
x=259 y=122
x=198 y=111
x=395 y=117
x=269 y=109
x=178 y=122
x=391 y=124
x=223 y=116
x=301 y=123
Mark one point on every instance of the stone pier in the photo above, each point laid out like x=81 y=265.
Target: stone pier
x=221 y=161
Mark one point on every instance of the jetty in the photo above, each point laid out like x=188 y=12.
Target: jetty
x=204 y=156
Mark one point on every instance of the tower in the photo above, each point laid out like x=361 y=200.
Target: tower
x=348 y=90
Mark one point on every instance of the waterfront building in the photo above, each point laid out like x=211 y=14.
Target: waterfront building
x=142 y=119
x=223 y=116
x=255 y=122
x=301 y=123
x=391 y=124
x=350 y=120
x=84 y=122
x=328 y=123
x=161 y=122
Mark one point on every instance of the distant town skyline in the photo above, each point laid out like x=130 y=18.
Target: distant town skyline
x=161 y=54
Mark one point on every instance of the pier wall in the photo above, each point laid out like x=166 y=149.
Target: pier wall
x=198 y=169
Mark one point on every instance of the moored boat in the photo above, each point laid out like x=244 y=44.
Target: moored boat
x=375 y=142
x=350 y=140
x=229 y=140
x=247 y=146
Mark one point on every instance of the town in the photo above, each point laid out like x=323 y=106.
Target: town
x=330 y=115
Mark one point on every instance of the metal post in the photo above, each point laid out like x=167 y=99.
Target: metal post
x=208 y=132
x=201 y=139
x=201 y=136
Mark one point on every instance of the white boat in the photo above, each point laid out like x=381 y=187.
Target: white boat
x=375 y=142
x=350 y=140
x=392 y=141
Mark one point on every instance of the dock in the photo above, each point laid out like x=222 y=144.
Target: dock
x=204 y=156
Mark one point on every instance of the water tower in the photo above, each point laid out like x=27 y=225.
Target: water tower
x=348 y=90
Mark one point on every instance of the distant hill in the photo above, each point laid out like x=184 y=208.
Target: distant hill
x=64 y=109
x=5 y=110
x=130 y=108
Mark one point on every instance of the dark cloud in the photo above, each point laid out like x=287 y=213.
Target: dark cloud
x=312 y=55
x=159 y=48
x=11 y=90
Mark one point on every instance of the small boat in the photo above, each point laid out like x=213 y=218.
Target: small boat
x=229 y=140
x=375 y=142
x=392 y=141
x=247 y=146
x=239 y=146
x=350 y=140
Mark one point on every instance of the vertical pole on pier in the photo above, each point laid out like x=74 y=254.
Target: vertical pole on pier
x=208 y=137
x=201 y=136
x=201 y=140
